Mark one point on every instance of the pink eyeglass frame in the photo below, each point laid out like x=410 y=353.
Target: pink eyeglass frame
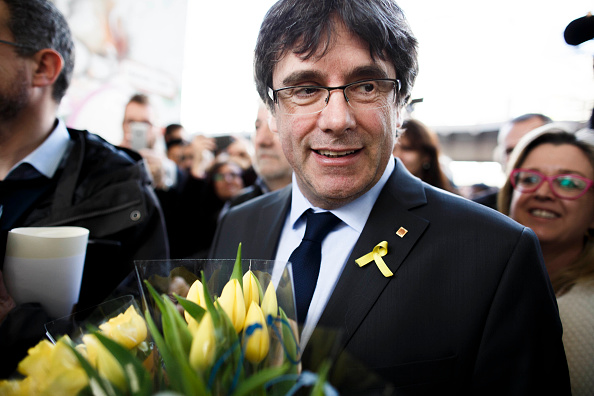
x=549 y=179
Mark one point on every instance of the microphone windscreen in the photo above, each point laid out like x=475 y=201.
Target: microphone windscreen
x=579 y=30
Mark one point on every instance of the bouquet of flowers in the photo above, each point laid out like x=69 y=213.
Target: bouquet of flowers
x=230 y=334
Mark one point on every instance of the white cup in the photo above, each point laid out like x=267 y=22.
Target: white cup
x=45 y=265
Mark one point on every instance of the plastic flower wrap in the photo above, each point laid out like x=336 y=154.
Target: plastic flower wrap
x=231 y=338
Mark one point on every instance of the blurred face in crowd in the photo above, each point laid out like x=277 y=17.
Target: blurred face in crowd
x=516 y=132
x=227 y=181
x=339 y=153
x=188 y=157
x=556 y=221
x=238 y=152
x=176 y=154
x=270 y=162
x=177 y=134
x=142 y=115
x=412 y=159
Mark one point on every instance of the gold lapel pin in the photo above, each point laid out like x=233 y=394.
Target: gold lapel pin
x=401 y=232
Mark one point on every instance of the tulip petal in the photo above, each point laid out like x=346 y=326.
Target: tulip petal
x=128 y=329
x=203 y=348
x=250 y=289
x=232 y=302
x=256 y=340
x=270 y=303
x=196 y=295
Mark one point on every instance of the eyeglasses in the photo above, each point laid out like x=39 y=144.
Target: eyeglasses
x=360 y=95
x=225 y=176
x=562 y=186
x=16 y=44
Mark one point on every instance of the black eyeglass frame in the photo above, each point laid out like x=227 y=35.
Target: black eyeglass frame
x=275 y=92
x=18 y=45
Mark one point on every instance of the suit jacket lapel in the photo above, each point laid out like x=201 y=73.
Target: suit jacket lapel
x=269 y=227
x=359 y=288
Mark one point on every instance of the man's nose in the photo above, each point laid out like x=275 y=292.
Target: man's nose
x=338 y=115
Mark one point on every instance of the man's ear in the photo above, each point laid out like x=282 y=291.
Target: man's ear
x=399 y=118
x=48 y=65
x=272 y=123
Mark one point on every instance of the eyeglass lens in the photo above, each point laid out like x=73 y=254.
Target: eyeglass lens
x=226 y=176
x=363 y=95
x=564 y=186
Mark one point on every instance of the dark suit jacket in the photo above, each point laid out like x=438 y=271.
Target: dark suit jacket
x=469 y=310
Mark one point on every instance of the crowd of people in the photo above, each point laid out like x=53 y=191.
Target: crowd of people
x=477 y=302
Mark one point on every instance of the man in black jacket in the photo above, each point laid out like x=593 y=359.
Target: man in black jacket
x=53 y=176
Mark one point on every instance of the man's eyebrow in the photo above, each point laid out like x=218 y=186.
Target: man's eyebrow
x=368 y=71
x=358 y=73
x=300 y=76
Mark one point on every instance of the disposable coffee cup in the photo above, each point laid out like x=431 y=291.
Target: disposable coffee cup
x=45 y=265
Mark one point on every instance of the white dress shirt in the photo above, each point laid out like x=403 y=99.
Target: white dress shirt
x=336 y=247
x=46 y=158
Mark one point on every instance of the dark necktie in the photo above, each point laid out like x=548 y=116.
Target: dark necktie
x=307 y=256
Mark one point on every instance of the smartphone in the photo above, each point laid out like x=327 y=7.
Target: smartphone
x=222 y=142
x=138 y=135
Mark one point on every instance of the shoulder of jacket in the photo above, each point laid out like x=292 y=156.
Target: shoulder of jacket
x=100 y=157
x=96 y=145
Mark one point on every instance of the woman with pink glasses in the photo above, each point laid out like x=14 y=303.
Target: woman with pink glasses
x=550 y=189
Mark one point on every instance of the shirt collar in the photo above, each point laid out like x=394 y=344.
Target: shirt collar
x=47 y=157
x=354 y=214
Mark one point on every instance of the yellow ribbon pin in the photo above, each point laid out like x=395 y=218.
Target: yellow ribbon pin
x=381 y=249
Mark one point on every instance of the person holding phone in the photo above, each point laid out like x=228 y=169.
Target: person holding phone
x=141 y=134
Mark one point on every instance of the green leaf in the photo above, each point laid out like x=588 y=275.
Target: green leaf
x=289 y=340
x=180 y=375
x=175 y=329
x=165 y=324
x=137 y=377
x=237 y=269
x=183 y=337
x=228 y=349
x=214 y=313
x=256 y=382
x=195 y=310
x=318 y=389
x=95 y=380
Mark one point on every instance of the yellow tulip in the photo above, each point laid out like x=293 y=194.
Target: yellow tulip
x=68 y=382
x=128 y=329
x=232 y=302
x=50 y=370
x=250 y=289
x=38 y=360
x=203 y=348
x=105 y=363
x=196 y=295
x=257 y=343
x=269 y=302
x=25 y=386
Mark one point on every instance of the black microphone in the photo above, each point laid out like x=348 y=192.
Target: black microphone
x=580 y=30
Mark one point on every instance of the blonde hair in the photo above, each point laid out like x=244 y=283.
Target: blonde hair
x=583 y=266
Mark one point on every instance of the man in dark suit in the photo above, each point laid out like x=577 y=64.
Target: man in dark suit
x=457 y=299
